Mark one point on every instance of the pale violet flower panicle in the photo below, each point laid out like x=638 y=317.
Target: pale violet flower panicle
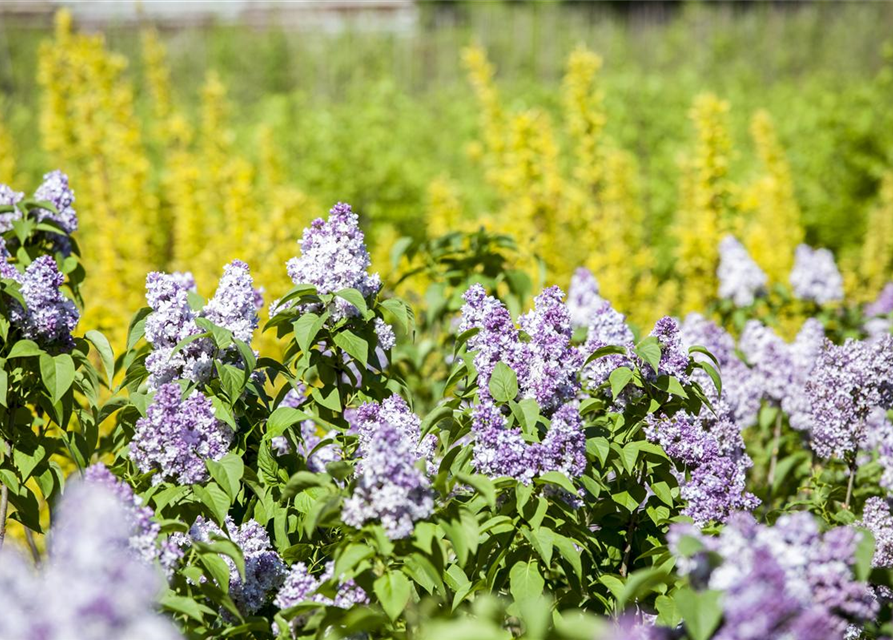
x=234 y=305
x=49 y=317
x=385 y=334
x=144 y=537
x=177 y=436
x=883 y=304
x=673 y=354
x=91 y=586
x=55 y=189
x=848 y=383
x=583 y=300
x=334 y=257
x=876 y=518
x=301 y=586
x=740 y=278
x=264 y=569
x=546 y=365
x=389 y=486
x=804 y=353
x=784 y=581
x=710 y=451
x=9 y=197
x=607 y=327
x=815 y=276
x=770 y=357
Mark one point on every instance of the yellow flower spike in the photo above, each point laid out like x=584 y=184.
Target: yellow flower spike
x=876 y=260
x=444 y=210
x=585 y=116
x=7 y=156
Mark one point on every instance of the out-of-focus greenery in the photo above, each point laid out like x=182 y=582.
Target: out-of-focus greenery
x=390 y=123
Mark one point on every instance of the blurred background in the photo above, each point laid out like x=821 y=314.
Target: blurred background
x=624 y=136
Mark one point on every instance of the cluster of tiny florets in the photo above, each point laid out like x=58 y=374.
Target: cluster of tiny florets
x=264 y=569
x=740 y=278
x=815 y=276
x=390 y=487
x=334 y=257
x=301 y=586
x=583 y=299
x=177 y=436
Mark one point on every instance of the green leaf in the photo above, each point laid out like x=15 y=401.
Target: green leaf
x=396 y=312
x=228 y=473
x=24 y=349
x=4 y=384
x=619 y=378
x=303 y=480
x=57 y=374
x=353 y=555
x=106 y=354
x=542 y=540
x=181 y=604
x=639 y=584
x=215 y=499
x=525 y=581
x=354 y=345
x=306 y=328
x=559 y=480
x=137 y=327
x=701 y=611
x=607 y=350
x=649 y=351
x=569 y=552
x=503 y=383
x=482 y=484
x=864 y=555
x=355 y=298
x=393 y=590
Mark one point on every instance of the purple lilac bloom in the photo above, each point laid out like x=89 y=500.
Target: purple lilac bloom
x=804 y=353
x=144 y=540
x=107 y=593
x=301 y=586
x=583 y=300
x=546 y=365
x=176 y=437
x=607 y=327
x=385 y=334
x=769 y=356
x=740 y=278
x=334 y=257
x=316 y=459
x=849 y=381
x=673 y=356
x=55 y=189
x=264 y=569
x=48 y=317
x=876 y=518
x=9 y=197
x=563 y=448
x=785 y=581
x=883 y=305
x=234 y=305
x=815 y=276
x=389 y=486
x=631 y=627
x=710 y=448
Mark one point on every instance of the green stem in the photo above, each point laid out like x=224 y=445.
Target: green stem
x=4 y=508
x=849 y=486
x=776 y=440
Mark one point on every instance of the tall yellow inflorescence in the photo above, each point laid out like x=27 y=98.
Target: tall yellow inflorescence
x=773 y=231
x=585 y=117
x=89 y=127
x=706 y=209
x=493 y=120
x=7 y=156
x=876 y=260
x=444 y=210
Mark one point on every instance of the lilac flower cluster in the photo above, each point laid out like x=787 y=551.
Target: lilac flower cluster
x=546 y=365
x=583 y=299
x=785 y=581
x=711 y=451
x=144 y=537
x=264 y=569
x=849 y=382
x=500 y=451
x=815 y=276
x=334 y=257
x=740 y=278
x=389 y=486
x=673 y=354
x=91 y=586
x=48 y=317
x=316 y=458
x=883 y=304
x=607 y=327
x=234 y=307
x=177 y=436
x=876 y=518
x=55 y=190
x=301 y=586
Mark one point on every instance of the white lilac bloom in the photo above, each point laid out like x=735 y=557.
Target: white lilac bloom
x=784 y=581
x=583 y=299
x=334 y=257
x=264 y=569
x=815 y=276
x=389 y=488
x=91 y=586
x=177 y=436
x=740 y=278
